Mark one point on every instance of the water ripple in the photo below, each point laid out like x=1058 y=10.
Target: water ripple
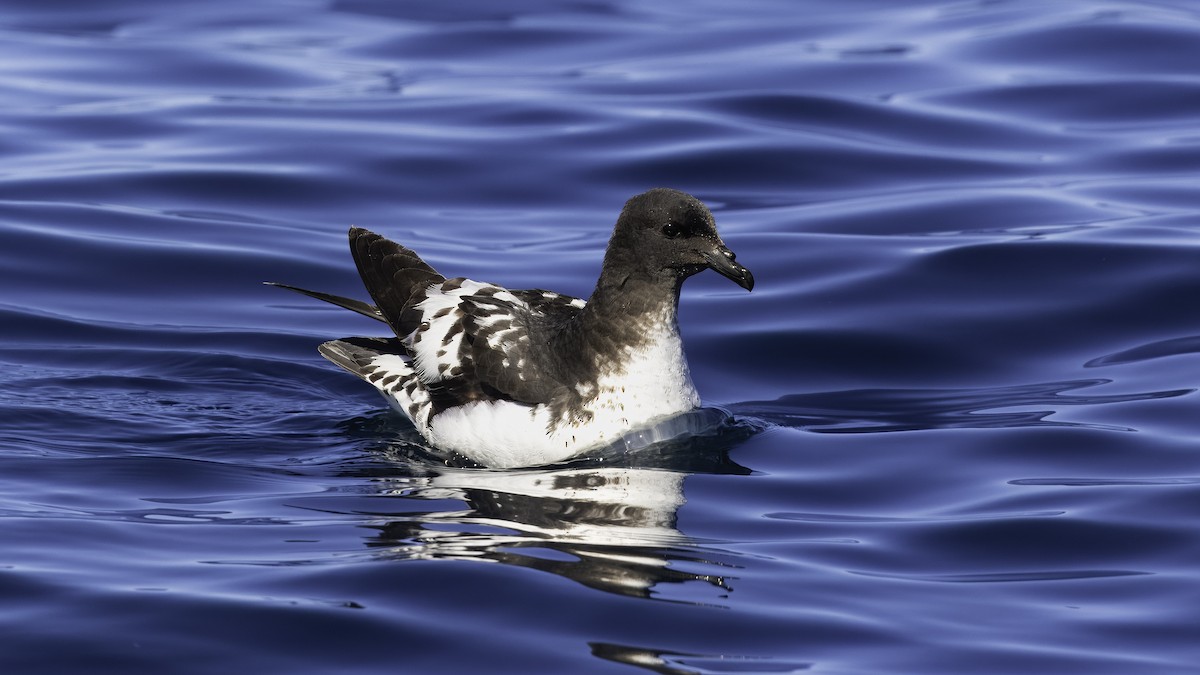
x=908 y=410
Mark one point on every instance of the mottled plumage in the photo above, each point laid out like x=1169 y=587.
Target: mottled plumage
x=528 y=377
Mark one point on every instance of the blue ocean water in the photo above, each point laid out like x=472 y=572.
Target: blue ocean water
x=965 y=420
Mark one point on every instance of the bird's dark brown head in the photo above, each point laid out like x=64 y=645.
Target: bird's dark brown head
x=670 y=235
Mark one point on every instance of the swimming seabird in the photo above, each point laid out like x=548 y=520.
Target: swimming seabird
x=530 y=377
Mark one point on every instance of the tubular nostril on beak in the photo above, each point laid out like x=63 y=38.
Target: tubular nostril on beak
x=721 y=260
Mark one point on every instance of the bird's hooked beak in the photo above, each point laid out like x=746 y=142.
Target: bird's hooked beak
x=721 y=260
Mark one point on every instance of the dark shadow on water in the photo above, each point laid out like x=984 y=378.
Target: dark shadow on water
x=876 y=410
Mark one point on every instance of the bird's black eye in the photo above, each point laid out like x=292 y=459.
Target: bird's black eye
x=672 y=230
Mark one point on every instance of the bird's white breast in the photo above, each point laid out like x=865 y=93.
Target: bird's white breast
x=636 y=387
x=645 y=382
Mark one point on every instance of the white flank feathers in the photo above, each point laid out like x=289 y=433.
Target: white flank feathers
x=648 y=383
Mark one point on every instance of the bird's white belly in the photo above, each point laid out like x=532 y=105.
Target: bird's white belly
x=649 y=383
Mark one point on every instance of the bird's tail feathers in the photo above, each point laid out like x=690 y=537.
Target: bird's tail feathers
x=395 y=276
x=347 y=303
x=355 y=354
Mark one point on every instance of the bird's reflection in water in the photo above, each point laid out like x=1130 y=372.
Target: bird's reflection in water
x=678 y=663
x=606 y=521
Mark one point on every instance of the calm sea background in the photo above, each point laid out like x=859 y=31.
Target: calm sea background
x=965 y=434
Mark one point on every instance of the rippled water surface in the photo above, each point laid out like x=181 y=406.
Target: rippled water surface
x=964 y=432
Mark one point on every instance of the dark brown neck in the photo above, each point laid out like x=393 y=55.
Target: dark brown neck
x=629 y=297
x=616 y=317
